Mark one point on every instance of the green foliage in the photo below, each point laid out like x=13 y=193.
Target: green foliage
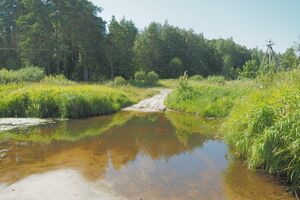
x=263 y=128
x=233 y=56
x=206 y=98
x=185 y=91
x=66 y=101
x=196 y=78
x=120 y=41
x=289 y=60
x=156 y=49
x=216 y=79
x=152 y=78
x=176 y=67
x=120 y=81
x=57 y=80
x=250 y=69
x=140 y=75
x=27 y=74
x=268 y=68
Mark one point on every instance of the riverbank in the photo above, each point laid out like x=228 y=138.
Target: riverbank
x=74 y=100
x=260 y=119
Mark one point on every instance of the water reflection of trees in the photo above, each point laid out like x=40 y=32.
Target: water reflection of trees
x=81 y=145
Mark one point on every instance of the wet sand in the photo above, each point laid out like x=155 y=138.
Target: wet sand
x=153 y=104
x=11 y=123
x=63 y=184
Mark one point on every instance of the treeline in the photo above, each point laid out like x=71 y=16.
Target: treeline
x=69 y=37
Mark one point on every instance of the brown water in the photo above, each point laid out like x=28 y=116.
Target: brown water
x=127 y=156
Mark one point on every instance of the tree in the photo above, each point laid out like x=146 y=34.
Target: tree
x=234 y=55
x=62 y=36
x=176 y=67
x=8 y=34
x=148 y=48
x=36 y=34
x=289 y=60
x=250 y=69
x=80 y=40
x=120 y=42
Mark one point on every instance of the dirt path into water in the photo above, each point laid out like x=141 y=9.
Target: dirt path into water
x=153 y=104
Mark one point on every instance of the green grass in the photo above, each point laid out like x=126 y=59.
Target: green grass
x=168 y=83
x=54 y=100
x=264 y=128
x=261 y=118
x=207 y=99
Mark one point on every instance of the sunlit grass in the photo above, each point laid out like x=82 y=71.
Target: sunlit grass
x=264 y=127
x=206 y=98
x=68 y=100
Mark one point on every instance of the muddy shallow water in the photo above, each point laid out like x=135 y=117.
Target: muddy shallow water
x=127 y=156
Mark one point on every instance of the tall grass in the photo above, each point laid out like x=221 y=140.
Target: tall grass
x=264 y=127
x=262 y=118
x=50 y=99
x=69 y=101
x=206 y=98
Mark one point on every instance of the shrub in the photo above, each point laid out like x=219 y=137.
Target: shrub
x=216 y=79
x=152 y=78
x=250 y=69
x=27 y=74
x=196 y=78
x=119 y=81
x=140 y=76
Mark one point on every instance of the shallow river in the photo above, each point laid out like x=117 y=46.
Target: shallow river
x=127 y=156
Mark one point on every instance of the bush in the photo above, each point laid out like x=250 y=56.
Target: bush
x=152 y=78
x=196 y=78
x=250 y=69
x=216 y=79
x=27 y=74
x=119 y=81
x=140 y=76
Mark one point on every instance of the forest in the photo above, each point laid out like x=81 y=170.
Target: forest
x=70 y=38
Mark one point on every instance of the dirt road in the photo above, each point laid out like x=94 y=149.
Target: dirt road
x=153 y=104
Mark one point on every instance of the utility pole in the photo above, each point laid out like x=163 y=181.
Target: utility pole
x=270 y=55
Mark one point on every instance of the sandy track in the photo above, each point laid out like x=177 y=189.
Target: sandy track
x=11 y=123
x=153 y=104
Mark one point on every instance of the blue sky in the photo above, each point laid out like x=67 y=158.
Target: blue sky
x=249 y=22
